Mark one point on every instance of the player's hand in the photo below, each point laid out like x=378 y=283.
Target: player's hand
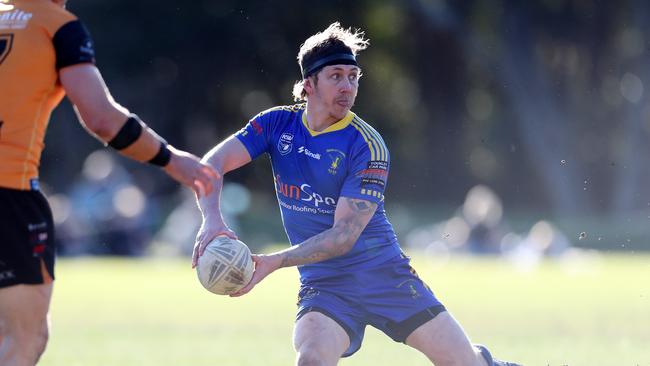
x=188 y=170
x=209 y=230
x=264 y=265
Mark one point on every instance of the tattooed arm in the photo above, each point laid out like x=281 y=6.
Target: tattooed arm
x=350 y=219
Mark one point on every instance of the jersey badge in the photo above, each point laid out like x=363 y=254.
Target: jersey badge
x=285 y=144
x=336 y=158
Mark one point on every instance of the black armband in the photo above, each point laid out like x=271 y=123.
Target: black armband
x=137 y=141
x=128 y=134
x=163 y=156
x=73 y=45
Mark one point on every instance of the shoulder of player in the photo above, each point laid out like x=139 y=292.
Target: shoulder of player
x=370 y=139
x=51 y=16
x=284 y=109
x=279 y=116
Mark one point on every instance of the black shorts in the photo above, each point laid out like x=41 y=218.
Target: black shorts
x=26 y=238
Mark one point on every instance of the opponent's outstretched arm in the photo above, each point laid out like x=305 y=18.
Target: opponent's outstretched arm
x=229 y=155
x=113 y=125
x=350 y=219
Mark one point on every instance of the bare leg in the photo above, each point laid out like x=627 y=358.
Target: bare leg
x=23 y=323
x=445 y=343
x=319 y=340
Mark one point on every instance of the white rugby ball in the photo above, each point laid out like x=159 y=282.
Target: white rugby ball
x=225 y=266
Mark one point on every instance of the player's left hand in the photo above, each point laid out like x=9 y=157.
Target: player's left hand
x=264 y=265
x=188 y=170
x=209 y=230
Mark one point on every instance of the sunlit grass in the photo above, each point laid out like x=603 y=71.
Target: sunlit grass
x=154 y=312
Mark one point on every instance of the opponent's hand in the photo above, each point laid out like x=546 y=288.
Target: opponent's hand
x=209 y=230
x=264 y=265
x=188 y=170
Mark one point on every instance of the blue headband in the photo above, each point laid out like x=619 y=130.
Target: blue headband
x=335 y=59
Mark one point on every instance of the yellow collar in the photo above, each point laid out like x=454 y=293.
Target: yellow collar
x=334 y=127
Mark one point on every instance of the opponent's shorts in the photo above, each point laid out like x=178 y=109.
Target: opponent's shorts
x=26 y=238
x=390 y=297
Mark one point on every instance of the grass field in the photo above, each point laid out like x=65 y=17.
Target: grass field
x=154 y=312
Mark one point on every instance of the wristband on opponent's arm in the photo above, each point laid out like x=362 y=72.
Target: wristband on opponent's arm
x=141 y=143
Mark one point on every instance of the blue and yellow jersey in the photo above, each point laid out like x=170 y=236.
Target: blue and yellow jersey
x=313 y=169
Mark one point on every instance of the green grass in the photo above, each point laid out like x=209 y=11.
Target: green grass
x=154 y=312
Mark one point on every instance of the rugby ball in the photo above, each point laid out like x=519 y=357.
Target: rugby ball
x=225 y=266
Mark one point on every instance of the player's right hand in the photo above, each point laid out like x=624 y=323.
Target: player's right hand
x=209 y=230
x=188 y=170
x=264 y=266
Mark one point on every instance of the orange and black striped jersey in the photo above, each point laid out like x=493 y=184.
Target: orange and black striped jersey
x=37 y=39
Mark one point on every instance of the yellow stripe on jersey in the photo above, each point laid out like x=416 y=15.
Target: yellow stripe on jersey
x=371 y=146
x=377 y=141
x=384 y=151
x=370 y=192
x=378 y=150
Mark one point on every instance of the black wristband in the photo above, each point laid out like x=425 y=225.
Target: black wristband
x=163 y=157
x=128 y=134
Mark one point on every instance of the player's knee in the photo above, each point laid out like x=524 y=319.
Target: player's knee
x=309 y=359
x=456 y=361
x=311 y=354
x=40 y=343
x=31 y=340
x=458 y=358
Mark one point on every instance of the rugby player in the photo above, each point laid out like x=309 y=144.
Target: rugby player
x=330 y=170
x=46 y=53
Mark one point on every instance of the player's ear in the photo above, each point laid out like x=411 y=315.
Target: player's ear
x=308 y=85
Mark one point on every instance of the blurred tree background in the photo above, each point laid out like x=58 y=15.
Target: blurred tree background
x=542 y=101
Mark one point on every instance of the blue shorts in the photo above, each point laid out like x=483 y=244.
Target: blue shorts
x=390 y=297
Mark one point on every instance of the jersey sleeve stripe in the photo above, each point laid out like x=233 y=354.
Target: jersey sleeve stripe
x=380 y=141
x=370 y=139
x=380 y=144
x=376 y=140
x=371 y=147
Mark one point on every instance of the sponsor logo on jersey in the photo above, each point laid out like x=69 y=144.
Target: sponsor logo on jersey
x=376 y=173
x=378 y=165
x=304 y=193
x=285 y=143
x=336 y=158
x=13 y=19
x=87 y=48
x=306 y=151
